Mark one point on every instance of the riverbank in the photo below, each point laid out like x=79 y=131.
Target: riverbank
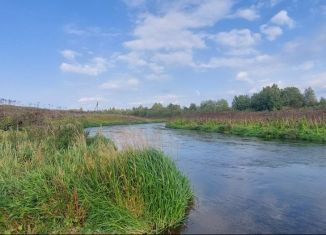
x=298 y=130
x=56 y=179
x=14 y=117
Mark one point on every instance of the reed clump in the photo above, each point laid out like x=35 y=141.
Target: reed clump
x=58 y=180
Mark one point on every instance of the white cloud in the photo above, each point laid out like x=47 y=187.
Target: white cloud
x=242 y=52
x=173 y=30
x=157 y=76
x=237 y=62
x=247 y=13
x=271 y=32
x=91 y=99
x=69 y=54
x=243 y=76
x=94 y=67
x=93 y=31
x=238 y=38
x=282 y=18
x=125 y=83
x=175 y=58
x=132 y=58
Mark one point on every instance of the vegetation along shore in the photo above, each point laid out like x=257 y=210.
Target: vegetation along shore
x=272 y=113
x=54 y=178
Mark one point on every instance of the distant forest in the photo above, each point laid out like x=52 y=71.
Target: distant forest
x=270 y=98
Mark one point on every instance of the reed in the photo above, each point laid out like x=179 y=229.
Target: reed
x=309 y=126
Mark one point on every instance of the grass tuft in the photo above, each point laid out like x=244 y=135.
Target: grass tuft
x=57 y=180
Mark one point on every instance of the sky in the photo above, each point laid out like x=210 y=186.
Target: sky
x=125 y=53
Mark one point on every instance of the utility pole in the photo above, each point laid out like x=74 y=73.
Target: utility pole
x=96 y=107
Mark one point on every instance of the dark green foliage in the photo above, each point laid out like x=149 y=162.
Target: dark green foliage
x=322 y=102
x=241 y=102
x=65 y=136
x=292 y=97
x=192 y=107
x=268 y=99
x=99 y=139
x=310 y=97
x=211 y=106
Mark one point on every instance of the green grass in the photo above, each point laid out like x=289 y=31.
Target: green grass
x=302 y=130
x=57 y=180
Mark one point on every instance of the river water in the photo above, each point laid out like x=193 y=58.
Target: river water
x=241 y=185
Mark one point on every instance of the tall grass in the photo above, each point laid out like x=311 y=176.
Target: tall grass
x=57 y=180
x=303 y=129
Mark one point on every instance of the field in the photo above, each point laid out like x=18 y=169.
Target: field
x=54 y=178
x=305 y=125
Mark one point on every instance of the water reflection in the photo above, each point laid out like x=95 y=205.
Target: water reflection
x=243 y=185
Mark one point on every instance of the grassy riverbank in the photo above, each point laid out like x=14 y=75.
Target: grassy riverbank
x=303 y=129
x=55 y=179
x=13 y=117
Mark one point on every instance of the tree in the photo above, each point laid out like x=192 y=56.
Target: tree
x=267 y=99
x=292 y=97
x=322 y=102
x=174 y=109
x=207 y=106
x=157 y=110
x=221 y=105
x=192 y=107
x=310 y=97
x=241 y=102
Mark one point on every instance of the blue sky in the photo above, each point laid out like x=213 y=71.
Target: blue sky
x=126 y=53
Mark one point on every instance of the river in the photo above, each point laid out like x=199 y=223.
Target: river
x=241 y=185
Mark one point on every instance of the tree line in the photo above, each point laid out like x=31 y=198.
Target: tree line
x=270 y=98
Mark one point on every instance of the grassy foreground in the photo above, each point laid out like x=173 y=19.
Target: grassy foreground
x=57 y=180
x=303 y=129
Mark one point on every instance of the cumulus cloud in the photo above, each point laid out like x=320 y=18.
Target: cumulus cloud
x=271 y=32
x=238 y=38
x=282 y=18
x=174 y=30
x=243 y=76
x=247 y=13
x=94 y=67
x=170 y=37
x=124 y=83
x=175 y=58
x=69 y=54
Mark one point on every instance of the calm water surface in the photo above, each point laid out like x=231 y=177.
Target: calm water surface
x=242 y=185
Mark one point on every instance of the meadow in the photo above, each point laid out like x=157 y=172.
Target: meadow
x=302 y=125
x=54 y=178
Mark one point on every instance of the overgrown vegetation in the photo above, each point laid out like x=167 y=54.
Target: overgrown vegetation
x=289 y=125
x=55 y=179
x=12 y=117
